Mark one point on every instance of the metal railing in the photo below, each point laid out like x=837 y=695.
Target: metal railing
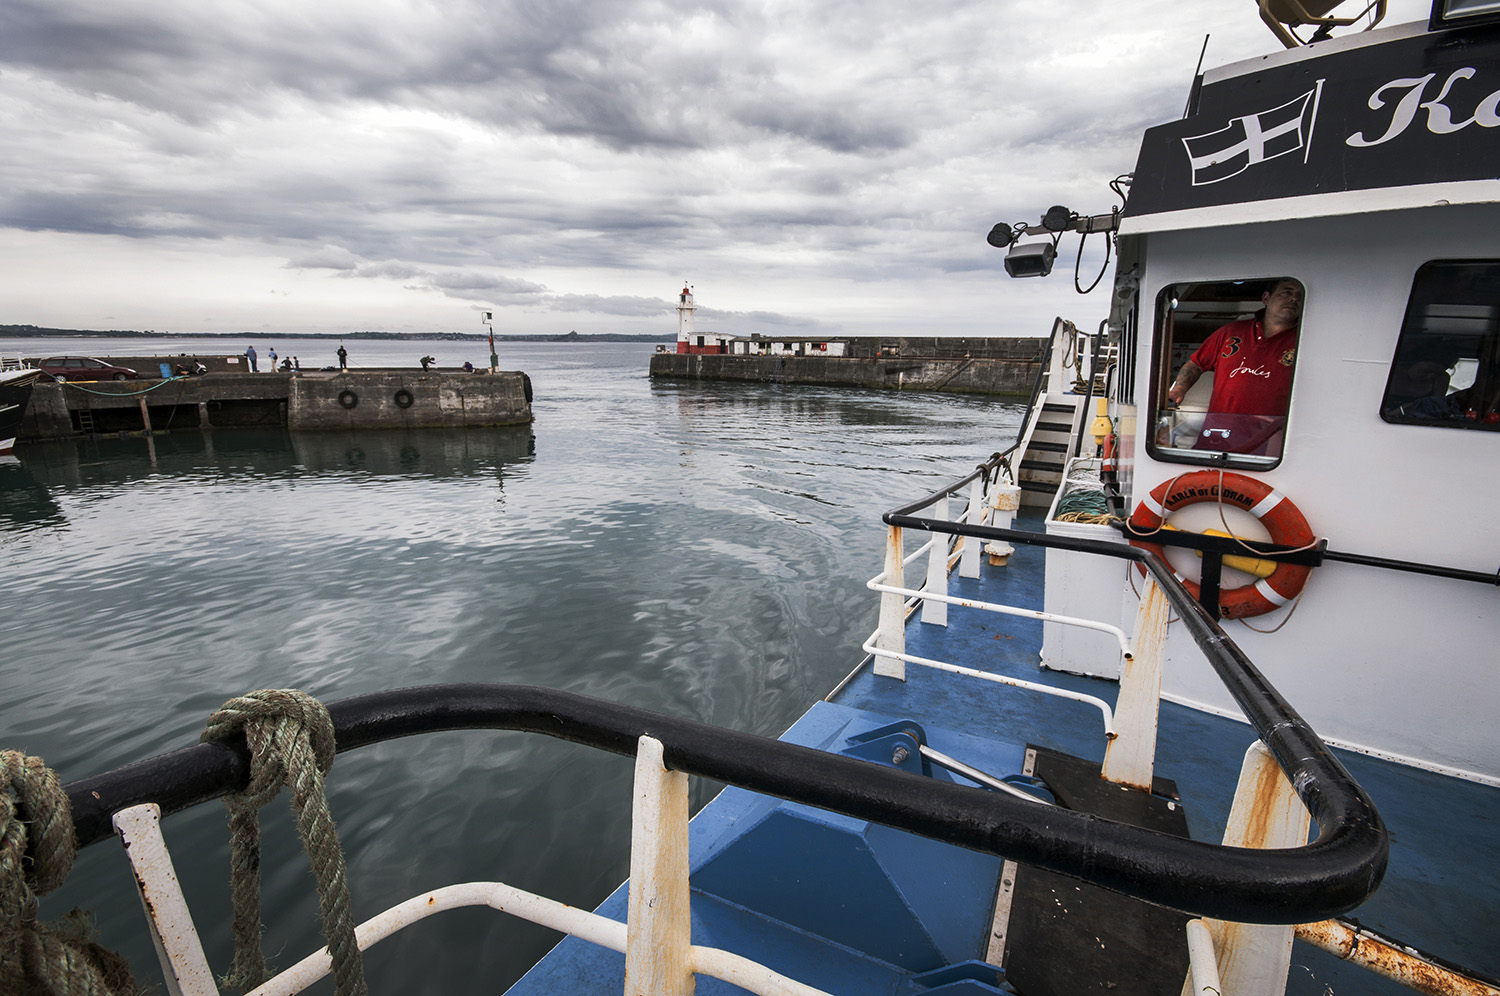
x=1347 y=820
x=1295 y=885
x=656 y=939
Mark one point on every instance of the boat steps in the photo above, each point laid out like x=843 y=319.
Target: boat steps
x=1051 y=440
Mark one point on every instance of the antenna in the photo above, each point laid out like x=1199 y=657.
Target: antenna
x=1197 y=76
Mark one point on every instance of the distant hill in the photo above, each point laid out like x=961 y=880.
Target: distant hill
x=38 y=332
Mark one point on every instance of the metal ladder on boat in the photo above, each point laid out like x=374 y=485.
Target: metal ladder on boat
x=1071 y=378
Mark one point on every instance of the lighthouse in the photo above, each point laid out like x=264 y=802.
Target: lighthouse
x=685 y=343
x=688 y=339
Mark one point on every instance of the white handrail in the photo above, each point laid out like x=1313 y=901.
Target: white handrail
x=187 y=972
x=501 y=897
x=874 y=584
x=869 y=647
x=592 y=927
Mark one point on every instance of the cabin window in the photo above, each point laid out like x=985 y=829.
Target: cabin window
x=1446 y=371
x=1222 y=382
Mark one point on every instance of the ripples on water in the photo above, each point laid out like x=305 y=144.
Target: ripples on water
x=699 y=550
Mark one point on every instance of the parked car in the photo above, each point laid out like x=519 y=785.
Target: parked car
x=83 y=368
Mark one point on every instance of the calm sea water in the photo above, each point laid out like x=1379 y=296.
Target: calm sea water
x=695 y=549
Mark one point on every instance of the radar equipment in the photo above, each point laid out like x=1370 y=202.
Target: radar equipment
x=1281 y=16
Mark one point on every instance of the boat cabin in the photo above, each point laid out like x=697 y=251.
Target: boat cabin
x=1360 y=172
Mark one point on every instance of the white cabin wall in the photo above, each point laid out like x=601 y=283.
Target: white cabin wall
x=1392 y=662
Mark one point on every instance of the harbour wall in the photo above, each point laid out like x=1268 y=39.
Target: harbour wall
x=987 y=366
x=365 y=399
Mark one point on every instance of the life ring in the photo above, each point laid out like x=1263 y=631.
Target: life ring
x=348 y=399
x=1281 y=518
x=403 y=398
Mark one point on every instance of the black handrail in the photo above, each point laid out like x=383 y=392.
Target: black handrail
x=1333 y=874
x=1206 y=543
x=1341 y=808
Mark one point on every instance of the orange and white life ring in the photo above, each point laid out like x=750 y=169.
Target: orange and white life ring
x=1281 y=518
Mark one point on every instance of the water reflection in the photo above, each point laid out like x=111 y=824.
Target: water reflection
x=699 y=550
x=25 y=502
x=428 y=453
x=266 y=453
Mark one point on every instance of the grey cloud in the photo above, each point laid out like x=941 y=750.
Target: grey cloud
x=326 y=258
x=96 y=212
x=391 y=269
x=758 y=319
x=830 y=127
x=481 y=281
x=620 y=305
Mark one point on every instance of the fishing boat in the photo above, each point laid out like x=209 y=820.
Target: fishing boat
x=1151 y=706
x=15 y=391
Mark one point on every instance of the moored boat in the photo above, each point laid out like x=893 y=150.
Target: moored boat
x=15 y=392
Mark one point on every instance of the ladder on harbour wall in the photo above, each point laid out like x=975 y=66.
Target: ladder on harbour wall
x=86 y=421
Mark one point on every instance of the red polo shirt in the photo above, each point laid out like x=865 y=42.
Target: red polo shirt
x=1252 y=374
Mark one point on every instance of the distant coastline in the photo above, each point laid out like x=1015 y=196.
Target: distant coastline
x=38 y=332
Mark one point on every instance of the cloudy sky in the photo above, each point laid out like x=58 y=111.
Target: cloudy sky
x=808 y=165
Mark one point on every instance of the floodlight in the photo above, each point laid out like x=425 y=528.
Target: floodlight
x=1057 y=218
x=1034 y=259
x=1001 y=236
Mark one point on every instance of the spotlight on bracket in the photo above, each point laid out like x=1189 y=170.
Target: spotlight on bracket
x=1057 y=218
x=1001 y=236
x=1034 y=259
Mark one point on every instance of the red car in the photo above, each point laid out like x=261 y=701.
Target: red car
x=83 y=368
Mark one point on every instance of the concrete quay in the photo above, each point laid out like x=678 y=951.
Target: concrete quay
x=966 y=366
x=306 y=401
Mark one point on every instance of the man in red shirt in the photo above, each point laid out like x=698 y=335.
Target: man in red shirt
x=1251 y=361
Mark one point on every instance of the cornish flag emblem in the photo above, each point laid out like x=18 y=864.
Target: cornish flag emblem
x=1253 y=139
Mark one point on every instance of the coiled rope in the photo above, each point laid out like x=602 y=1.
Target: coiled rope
x=1084 y=506
x=36 y=853
x=291 y=743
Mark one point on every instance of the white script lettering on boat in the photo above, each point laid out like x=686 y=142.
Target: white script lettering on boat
x=1439 y=115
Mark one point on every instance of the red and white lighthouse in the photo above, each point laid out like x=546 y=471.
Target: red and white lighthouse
x=688 y=339
x=685 y=336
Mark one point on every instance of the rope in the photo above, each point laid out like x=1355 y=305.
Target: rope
x=1084 y=506
x=36 y=853
x=291 y=743
x=123 y=394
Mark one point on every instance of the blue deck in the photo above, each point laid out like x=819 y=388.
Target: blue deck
x=1439 y=895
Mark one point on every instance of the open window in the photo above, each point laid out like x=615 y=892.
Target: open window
x=1446 y=371
x=1222 y=381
